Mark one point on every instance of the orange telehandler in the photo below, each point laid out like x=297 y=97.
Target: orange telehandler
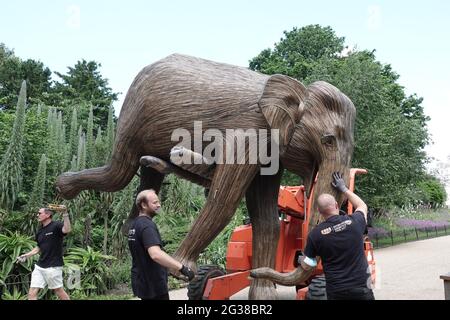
x=212 y=283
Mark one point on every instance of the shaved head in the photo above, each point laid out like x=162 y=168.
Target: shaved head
x=327 y=204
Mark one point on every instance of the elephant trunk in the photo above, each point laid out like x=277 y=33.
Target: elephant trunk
x=323 y=185
x=293 y=278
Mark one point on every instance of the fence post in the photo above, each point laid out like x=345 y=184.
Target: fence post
x=404 y=234
x=376 y=238
x=445 y=229
x=435 y=229
x=426 y=230
x=392 y=237
x=446 y=278
x=417 y=235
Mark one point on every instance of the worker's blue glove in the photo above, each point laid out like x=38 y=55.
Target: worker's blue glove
x=186 y=271
x=338 y=182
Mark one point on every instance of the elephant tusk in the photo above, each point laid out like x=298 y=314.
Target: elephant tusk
x=293 y=278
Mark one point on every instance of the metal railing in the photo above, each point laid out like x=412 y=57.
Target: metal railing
x=391 y=237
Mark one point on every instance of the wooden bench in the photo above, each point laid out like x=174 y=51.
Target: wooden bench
x=446 y=278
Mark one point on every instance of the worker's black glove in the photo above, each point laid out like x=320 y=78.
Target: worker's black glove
x=338 y=182
x=186 y=271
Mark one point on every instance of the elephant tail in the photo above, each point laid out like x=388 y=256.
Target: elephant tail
x=110 y=178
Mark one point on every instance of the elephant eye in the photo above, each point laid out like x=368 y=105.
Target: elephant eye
x=328 y=139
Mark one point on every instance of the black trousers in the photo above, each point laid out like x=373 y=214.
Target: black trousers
x=362 y=293
x=160 y=297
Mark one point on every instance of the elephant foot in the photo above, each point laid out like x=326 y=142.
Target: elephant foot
x=262 y=290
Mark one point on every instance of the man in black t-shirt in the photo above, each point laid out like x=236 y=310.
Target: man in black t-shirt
x=48 y=270
x=338 y=241
x=150 y=262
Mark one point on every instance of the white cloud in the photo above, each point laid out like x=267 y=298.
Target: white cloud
x=374 y=17
x=73 y=21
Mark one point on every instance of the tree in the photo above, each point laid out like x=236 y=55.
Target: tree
x=432 y=191
x=84 y=83
x=388 y=140
x=13 y=70
x=11 y=166
x=299 y=51
x=5 y=53
x=390 y=128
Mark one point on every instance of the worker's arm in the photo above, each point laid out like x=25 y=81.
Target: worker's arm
x=162 y=258
x=308 y=263
x=357 y=202
x=67 y=227
x=27 y=255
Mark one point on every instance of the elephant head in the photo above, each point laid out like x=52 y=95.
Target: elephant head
x=316 y=129
x=321 y=143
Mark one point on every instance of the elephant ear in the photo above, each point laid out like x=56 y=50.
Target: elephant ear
x=282 y=105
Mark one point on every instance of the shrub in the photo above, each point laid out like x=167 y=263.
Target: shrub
x=94 y=268
x=14 y=277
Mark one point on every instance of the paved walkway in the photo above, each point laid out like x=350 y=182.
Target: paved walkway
x=408 y=271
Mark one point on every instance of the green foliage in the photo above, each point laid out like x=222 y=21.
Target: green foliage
x=35 y=141
x=81 y=154
x=110 y=134
x=16 y=294
x=432 y=192
x=83 y=82
x=13 y=70
x=94 y=268
x=37 y=196
x=11 y=165
x=56 y=142
x=73 y=136
x=13 y=276
x=216 y=252
x=298 y=53
x=90 y=154
x=387 y=142
x=390 y=131
x=100 y=149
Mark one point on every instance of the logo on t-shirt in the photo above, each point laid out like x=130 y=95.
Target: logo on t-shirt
x=49 y=233
x=131 y=234
x=342 y=226
x=337 y=228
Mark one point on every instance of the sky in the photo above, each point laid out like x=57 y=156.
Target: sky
x=126 y=36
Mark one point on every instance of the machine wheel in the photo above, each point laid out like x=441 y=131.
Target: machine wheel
x=317 y=289
x=197 y=286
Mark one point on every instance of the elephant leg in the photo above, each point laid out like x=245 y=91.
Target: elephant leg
x=227 y=189
x=261 y=200
x=110 y=178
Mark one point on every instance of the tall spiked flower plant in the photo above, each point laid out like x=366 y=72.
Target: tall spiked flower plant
x=11 y=165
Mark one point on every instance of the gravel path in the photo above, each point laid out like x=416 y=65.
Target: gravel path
x=408 y=271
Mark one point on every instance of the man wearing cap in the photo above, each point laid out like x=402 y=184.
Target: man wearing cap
x=48 y=269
